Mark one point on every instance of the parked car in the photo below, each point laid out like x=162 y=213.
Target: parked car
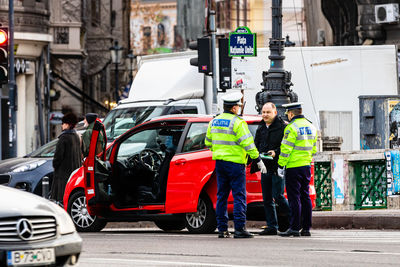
x=157 y=171
x=26 y=173
x=35 y=231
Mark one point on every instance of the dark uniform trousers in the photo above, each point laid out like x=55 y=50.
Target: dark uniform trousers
x=297 y=188
x=273 y=188
x=231 y=176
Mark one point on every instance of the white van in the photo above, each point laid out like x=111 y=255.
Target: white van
x=165 y=84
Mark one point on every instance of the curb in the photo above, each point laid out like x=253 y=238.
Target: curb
x=362 y=219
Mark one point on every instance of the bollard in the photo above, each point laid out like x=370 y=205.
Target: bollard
x=45 y=187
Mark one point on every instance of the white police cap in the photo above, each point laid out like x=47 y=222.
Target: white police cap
x=291 y=106
x=233 y=99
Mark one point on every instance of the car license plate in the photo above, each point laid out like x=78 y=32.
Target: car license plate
x=30 y=257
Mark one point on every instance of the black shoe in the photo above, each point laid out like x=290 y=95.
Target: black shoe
x=289 y=232
x=305 y=233
x=224 y=234
x=268 y=231
x=242 y=234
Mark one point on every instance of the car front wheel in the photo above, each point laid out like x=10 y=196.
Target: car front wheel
x=203 y=221
x=83 y=221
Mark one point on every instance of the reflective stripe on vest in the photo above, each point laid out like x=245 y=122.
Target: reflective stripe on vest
x=286 y=142
x=284 y=155
x=220 y=142
x=223 y=131
x=247 y=148
x=304 y=148
x=244 y=138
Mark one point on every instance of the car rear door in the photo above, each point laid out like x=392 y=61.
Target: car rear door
x=95 y=157
x=189 y=170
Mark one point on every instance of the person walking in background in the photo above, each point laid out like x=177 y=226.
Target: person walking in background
x=268 y=141
x=230 y=140
x=298 y=146
x=67 y=156
x=89 y=120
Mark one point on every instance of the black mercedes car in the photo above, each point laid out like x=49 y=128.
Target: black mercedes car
x=27 y=172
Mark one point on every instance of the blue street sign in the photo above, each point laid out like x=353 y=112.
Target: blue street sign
x=242 y=43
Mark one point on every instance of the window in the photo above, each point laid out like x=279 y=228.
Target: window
x=160 y=140
x=45 y=151
x=146 y=38
x=118 y=121
x=62 y=35
x=95 y=13
x=183 y=110
x=161 y=34
x=195 y=137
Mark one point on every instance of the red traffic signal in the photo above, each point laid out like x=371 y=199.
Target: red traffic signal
x=203 y=60
x=3 y=37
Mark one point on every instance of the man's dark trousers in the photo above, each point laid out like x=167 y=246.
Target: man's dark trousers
x=297 y=188
x=272 y=189
x=231 y=176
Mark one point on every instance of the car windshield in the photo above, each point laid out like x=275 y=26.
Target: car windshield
x=118 y=121
x=45 y=151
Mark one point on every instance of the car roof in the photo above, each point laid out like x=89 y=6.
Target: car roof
x=201 y=117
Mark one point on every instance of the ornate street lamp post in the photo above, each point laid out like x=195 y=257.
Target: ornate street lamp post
x=276 y=81
x=130 y=56
x=116 y=55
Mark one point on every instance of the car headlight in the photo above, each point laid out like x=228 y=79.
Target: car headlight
x=29 y=167
x=65 y=223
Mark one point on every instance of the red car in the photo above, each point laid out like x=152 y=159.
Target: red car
x=158 y=171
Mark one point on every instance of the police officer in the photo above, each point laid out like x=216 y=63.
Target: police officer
x=297 y=148
x=230 y=140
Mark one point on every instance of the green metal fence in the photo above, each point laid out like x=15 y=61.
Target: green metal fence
x=371 y=186
x=323 y=185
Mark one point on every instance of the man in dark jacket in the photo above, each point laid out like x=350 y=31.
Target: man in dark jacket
x=268 y=140
x=67 y=156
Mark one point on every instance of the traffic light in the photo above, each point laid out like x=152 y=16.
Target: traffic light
x=225 y=66
x=3 y=55
x=203 y=60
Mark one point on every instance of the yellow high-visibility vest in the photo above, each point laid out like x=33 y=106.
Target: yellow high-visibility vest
x=229 y=138
x=299 y=144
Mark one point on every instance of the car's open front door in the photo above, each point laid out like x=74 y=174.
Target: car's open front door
x=96 y=175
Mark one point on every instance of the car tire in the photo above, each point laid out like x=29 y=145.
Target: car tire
x=203 y=221
x=83 y=221
x=170 y=225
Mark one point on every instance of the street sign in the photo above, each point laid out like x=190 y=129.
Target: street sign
x=242 y=43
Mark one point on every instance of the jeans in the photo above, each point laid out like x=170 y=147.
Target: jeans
x=231 y=176
x=272 y=189
x=297 y=187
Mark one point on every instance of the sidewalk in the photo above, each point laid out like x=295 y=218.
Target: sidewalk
x=355 y=219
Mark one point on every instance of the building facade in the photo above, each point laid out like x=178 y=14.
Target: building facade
x=63 y=63
x=32 y=38
x=352 y=22
x=152 y=26
x=83 y=76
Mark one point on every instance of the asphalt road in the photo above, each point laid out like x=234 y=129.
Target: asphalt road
x=152 y=247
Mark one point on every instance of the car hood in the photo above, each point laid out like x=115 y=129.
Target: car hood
x=8 y=165
x=14 y=202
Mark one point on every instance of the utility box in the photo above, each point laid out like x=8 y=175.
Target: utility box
x=379 y=122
